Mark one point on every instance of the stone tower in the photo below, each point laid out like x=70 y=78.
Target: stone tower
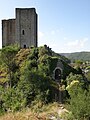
x=26 y=27
x=8 y=32
x=22 y=30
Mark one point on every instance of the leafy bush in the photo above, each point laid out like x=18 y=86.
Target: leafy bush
x=79 y=101
x=12 y=99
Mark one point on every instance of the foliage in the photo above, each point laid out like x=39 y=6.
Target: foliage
x=7 y=55
x=72 y=77
x=12 y=99
x=79 y=97
x=88 y=75
x=27 y=79
x=52 y=61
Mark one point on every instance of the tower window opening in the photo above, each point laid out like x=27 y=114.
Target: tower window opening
x=24 y=46
x=23 y=32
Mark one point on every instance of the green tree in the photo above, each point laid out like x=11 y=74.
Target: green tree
x=7 y=54
x=72 y=77
x=79 y=101
x=12 y=99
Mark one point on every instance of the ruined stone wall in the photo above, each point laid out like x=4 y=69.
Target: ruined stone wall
x=8 y=32
x=26 y=27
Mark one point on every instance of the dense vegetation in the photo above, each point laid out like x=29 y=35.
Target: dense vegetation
x=25 y=76
x=26 y=80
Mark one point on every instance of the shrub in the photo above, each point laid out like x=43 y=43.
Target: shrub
x=79 y=102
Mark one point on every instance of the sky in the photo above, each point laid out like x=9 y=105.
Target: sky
x=64 y=25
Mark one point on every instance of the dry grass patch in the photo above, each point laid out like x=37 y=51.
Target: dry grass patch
x=39 y=113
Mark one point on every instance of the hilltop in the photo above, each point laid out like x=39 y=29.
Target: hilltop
x=42 y=55
x=33 y=79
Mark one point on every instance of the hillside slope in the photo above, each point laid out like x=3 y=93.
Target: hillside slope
x=85 y=56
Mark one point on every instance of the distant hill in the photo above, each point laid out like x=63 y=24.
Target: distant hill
x=85 y=56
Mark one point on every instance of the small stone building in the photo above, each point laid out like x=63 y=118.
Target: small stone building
x=22 y=29
x=58 y=71
x=57 y=76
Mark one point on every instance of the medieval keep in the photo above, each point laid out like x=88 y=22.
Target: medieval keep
x=22 y=29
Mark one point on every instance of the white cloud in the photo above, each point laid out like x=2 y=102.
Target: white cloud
x=83 y=42
x=53 y=45
x=53 y=32
x=56 y=31
x=59 y=42
x=65 y=38
x=77 y=43
x=40 y=34
x=72 y=43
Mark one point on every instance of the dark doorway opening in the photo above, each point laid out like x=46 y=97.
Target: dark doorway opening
x=57 y=74
x=24 y=46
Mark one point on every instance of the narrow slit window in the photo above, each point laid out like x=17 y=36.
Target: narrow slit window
x=23 y=32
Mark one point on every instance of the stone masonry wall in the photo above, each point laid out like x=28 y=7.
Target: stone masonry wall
x=26 y=27
x=8 y=31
